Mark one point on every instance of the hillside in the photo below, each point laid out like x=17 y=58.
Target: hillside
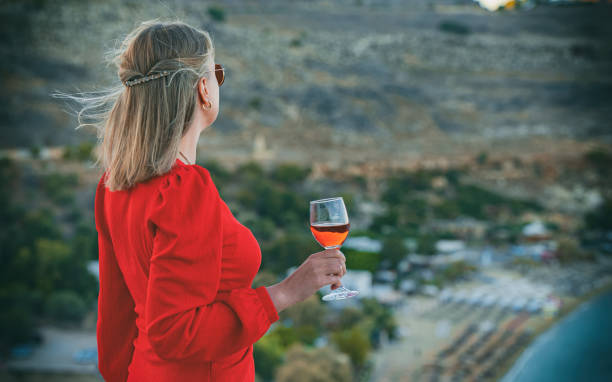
x=392 y=81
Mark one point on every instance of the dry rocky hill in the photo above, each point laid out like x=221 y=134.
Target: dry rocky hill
x=336 y=81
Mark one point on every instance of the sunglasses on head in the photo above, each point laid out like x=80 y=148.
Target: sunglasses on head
x=219 y=73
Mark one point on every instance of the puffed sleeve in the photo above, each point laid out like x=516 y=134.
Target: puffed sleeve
x=186 y=316
x=116 y=326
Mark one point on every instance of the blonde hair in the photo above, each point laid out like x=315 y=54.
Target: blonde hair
x=140 y=126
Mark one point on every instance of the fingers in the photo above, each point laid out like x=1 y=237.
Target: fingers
x=334 y=281
x=340 y=269
x=333 y=253
x=327 y=267
x=334 y=266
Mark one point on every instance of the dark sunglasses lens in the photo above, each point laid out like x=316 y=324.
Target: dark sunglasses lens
x=220 y=74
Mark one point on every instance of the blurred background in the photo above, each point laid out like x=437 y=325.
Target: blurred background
x=471 y=141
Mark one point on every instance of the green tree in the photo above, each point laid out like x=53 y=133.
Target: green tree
x=35 y=151
x=216 y=13
x=37 y=260
x=290 y=174
x=354 y=343
x=426 y=244
x=58 y=267
x=250 y=170
x=381 y=315
x=290 y=249
x=482 y=158
x=447 y=209
x=268 y=354
x=600 y=159
x=60 y=187
x=600 y=218
x=65 y=306
x=306 y=334
x=82 y=152
x=454 y=27
x=351 y=316
x=286 y=335
x=264 y=278
x=85 y=242
x=219 y=174
x=20 y=306
x=52 y=256
x=389 y=221
x=393 y=250
x=309 y=312
x=264 y=229
x=314 y=365
x=456 y=271
x=361 y=260
x=569 y=250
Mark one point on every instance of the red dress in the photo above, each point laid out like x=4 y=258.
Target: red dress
x=176 y=268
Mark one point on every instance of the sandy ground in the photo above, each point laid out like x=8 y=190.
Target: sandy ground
x=46 y=377
x=55 y=355
x=428 y=326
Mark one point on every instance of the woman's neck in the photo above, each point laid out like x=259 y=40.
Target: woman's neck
x=189 y=145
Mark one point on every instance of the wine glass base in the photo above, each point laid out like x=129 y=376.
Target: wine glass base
x=340 y=294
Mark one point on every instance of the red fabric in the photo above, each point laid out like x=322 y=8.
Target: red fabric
x=176 y=268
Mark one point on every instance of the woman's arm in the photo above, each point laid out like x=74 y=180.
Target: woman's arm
x=279 y=296
x=116 y=326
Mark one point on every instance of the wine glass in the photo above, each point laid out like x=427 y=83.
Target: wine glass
x=329 y=224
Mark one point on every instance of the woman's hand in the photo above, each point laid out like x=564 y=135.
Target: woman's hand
x=319 y=269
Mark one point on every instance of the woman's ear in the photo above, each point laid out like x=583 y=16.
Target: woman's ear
x=202 y=90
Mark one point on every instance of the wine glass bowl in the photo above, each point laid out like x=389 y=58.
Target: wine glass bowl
x=330 y=226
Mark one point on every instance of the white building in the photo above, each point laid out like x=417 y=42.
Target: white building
x=449 y=246
x=363 y=243
x=385 y=276
x=535 y=230
x=408 y=286
x=93 y=267
x=386 y=294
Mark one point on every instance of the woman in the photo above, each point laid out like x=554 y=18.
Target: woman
x=176 y=267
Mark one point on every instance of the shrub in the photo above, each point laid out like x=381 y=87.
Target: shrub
x=59 y=187
x=569 y=251
x=381 y=316
x=314 y=365
x=309 y=312
x=457 y=270
x=82 y=152
x=351 y=316
x=353 y=343
x=264 y=278
x=268 y=354
x=455 y=27
x=255 y=103
x=600 y=218
x=361 y=260
x=35 y=151
x=290 y=174
x=17 y=323
x=216 y=13
x=65 y=305
x=394 y=250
